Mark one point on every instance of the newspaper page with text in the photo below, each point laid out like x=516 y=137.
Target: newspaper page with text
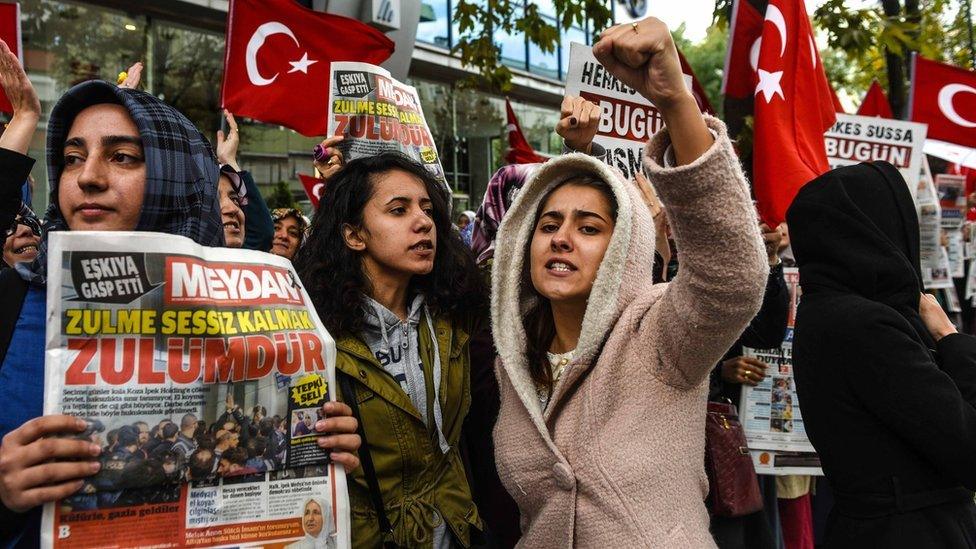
x=378 y=113
x=770 y=411
x=201 y=372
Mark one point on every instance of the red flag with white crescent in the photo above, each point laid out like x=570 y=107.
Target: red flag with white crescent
x=745 y=31
x=276 y=65
x=944 y=97
x=793 y=107
x=519 y=150
x=314 y=188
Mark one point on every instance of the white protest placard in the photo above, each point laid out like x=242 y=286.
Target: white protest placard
x=627 y=119
x=854 y=139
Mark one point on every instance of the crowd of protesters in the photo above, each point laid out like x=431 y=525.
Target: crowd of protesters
x=536 y=372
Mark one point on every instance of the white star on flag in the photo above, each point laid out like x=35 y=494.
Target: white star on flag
x=301 y=65
x=769 y=84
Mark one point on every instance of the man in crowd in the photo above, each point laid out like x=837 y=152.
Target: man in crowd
x=185 y=443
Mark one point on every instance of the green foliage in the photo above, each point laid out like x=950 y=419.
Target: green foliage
x=281 y=197
x=859 y=38
x=479 y=20
x=707 y=59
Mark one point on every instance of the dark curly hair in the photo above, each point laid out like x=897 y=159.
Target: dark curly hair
x=333 y=273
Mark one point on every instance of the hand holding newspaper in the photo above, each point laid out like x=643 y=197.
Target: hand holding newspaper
x=201 y=373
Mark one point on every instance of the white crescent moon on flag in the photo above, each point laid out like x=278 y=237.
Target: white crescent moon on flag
x=317 y=190
x=774 y=16
x=255 y=43
x=946 y=94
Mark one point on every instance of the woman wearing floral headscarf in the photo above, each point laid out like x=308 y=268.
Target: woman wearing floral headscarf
x=290 y=228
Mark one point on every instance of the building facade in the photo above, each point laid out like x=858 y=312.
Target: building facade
x=181 y=43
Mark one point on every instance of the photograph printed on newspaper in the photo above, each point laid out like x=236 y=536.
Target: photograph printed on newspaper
x=201 y=372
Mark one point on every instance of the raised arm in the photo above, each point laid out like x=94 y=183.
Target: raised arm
x=15 y=165
x=719 y=286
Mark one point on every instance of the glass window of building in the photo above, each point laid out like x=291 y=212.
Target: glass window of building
x=64 y=44
x=513 y=45
x=435 y=21
x=544 y=63
x=183 y=71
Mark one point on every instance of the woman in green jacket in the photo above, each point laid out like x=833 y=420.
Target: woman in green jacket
x=395 y=286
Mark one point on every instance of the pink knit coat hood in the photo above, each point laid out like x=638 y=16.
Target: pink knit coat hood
x=616 y=459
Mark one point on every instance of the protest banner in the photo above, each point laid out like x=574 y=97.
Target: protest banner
x=770 y=462
x=854 y=139
x=201 y=372
x=627 y=119
x=770 y=411
x=377 y=113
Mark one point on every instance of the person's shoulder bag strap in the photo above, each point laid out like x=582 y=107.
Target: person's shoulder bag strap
x=366 y=458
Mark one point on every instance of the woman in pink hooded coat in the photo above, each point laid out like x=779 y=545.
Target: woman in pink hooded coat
x=603 y=376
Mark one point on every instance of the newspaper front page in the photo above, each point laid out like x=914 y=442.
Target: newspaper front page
x=770 y=411
x=929 y=221
x=201 y=372
x=378 y=113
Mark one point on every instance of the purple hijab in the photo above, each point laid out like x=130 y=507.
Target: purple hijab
x=499 y=195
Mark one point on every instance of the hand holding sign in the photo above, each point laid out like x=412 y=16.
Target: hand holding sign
x=579 y=120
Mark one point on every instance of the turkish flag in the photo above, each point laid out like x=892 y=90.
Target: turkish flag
x=519 y=150
x=745 y=30
x=10 y=33
x=875 y=103
x=276 y=66
x=944 y=97
x=696 y=88
x=314 y=188
x=793 y=107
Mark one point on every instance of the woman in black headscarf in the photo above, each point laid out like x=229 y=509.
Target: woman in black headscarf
x=887 y=386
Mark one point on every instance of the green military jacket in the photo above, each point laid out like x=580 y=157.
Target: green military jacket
x=420 y=486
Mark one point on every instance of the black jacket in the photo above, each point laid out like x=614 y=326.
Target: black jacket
x=765 y=331
x=891 y=412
